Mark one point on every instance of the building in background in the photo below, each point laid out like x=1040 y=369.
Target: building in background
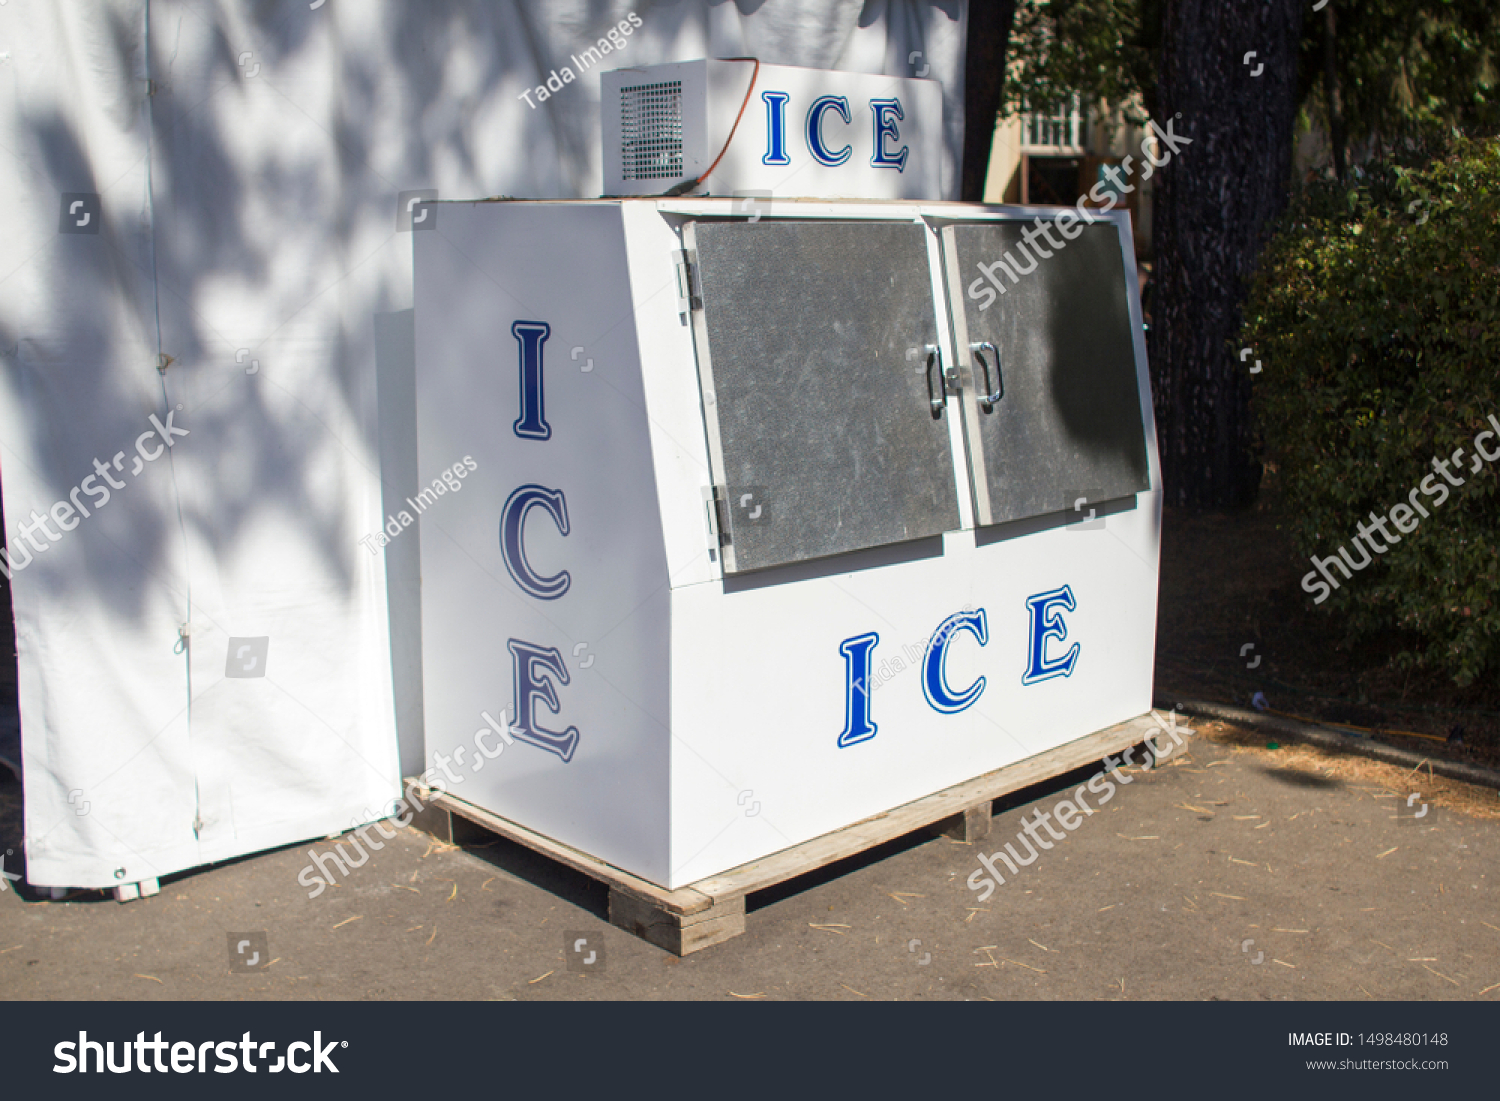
x=1056 y=156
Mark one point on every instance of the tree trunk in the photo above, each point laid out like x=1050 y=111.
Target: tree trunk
x=1331 y=91
x=1213 y=207
x=984 y=77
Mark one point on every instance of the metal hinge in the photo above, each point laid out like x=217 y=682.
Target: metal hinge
x=715 y=509
x=689 y=286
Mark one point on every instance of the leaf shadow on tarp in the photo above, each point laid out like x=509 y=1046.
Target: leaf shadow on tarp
x=269 y=227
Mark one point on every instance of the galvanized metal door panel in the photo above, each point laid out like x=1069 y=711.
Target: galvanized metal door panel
x=816 y=389
x=1069 y=424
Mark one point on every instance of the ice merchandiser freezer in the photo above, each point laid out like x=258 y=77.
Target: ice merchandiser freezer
x=767 y=526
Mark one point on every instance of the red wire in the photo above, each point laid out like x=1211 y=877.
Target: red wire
x=748 y=93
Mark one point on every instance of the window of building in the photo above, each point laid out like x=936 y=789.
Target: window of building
x=1059 y=127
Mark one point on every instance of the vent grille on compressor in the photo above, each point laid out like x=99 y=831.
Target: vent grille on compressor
x=651 y=131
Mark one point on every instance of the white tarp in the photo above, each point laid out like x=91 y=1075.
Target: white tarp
x=207 y=654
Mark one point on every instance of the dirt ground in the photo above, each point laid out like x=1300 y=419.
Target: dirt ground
x=1232 y=871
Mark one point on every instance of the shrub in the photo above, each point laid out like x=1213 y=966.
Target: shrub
x=1378 y=325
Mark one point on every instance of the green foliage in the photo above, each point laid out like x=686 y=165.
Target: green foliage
x=1379 y=329
x=1101 y=50
x=1409 y=69
x=1376 y=184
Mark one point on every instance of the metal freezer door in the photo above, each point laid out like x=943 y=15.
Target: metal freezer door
x=1067 y=423
x=822 y=404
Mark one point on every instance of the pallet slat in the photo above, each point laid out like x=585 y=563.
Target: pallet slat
x=854 y=839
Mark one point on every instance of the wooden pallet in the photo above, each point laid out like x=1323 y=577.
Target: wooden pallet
x=713 y=909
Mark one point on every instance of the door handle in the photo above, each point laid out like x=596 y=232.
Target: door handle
x=989 y=397
x=935 y=356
